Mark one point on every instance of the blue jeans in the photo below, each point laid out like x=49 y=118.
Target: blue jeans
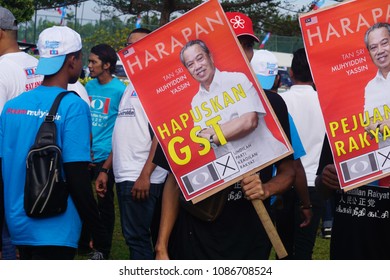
x=327 y=217
x=136 y=219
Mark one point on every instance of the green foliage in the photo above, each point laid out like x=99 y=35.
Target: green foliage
x=23 y=10
x=266 y=15
x=49 y=4
x=111 y=32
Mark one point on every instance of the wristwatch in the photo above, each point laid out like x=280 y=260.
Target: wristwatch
x=105 y=170
x=211 y=140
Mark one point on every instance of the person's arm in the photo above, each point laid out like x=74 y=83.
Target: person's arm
x=254 y=189
x=233 y=129
x=300 y=185
x=169 y=213
x=102 y=178
x=283 y=179
x=285 y=174
x=140 y=190
x=79 y=184
x=326 y=181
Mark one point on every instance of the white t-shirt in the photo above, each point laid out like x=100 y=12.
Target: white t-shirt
x=17 y=75
x=80 y=89
x=304 y=107
x=252 y=150
x=131 y=141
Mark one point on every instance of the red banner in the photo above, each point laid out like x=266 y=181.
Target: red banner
x=350 y=86
x=195 y=121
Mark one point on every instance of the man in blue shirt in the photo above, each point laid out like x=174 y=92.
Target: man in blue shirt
x=55 y=237
x=105 y=92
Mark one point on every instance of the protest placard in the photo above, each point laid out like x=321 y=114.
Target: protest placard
x=183 y=105
x=350 y=79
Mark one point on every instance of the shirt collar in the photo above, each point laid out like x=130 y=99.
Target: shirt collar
x=217 y=81
x=380 y=76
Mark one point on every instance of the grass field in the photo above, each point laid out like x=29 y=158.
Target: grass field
x=120 y=250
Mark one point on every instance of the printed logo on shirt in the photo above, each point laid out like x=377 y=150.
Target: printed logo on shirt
x=127 y=112
x=100 y=104
x=30 y=86
x=134 y=94
x=30 y=72
x=35 y=113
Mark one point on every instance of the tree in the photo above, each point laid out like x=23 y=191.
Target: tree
x=266 y=14
x=22 y=10
x=49 y=4
x=168 y=7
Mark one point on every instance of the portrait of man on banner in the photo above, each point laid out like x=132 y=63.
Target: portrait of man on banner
x=377 y=94
x=228 y=108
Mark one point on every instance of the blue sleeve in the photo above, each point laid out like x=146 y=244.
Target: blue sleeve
x=299 y=150
x=77 y=133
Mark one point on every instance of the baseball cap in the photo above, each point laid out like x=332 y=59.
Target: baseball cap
x=242 y=24
x=265 y=65
x=7 y=20
x=54 y=44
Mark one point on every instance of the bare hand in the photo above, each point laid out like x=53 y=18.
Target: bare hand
x=253 y=188
x=329 y=177
x=306 y=215
x=140 y=190
x=162 y=254
x=101 y=184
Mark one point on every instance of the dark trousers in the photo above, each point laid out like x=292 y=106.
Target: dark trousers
x=46 y=253
x=283 y=211
x=305 y=238
x=298 y=242
x=105 y=206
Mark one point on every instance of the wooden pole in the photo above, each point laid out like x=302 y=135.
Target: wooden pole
x=269 y=228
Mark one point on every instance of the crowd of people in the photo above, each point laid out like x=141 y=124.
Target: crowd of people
x=107 y=144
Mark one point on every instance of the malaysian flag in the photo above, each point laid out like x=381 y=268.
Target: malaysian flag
x=311 y=21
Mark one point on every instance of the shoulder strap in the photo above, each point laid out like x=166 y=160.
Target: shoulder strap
x=53 y=110
x=47 y=132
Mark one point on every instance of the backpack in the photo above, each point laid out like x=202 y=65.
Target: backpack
x=45 y=190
